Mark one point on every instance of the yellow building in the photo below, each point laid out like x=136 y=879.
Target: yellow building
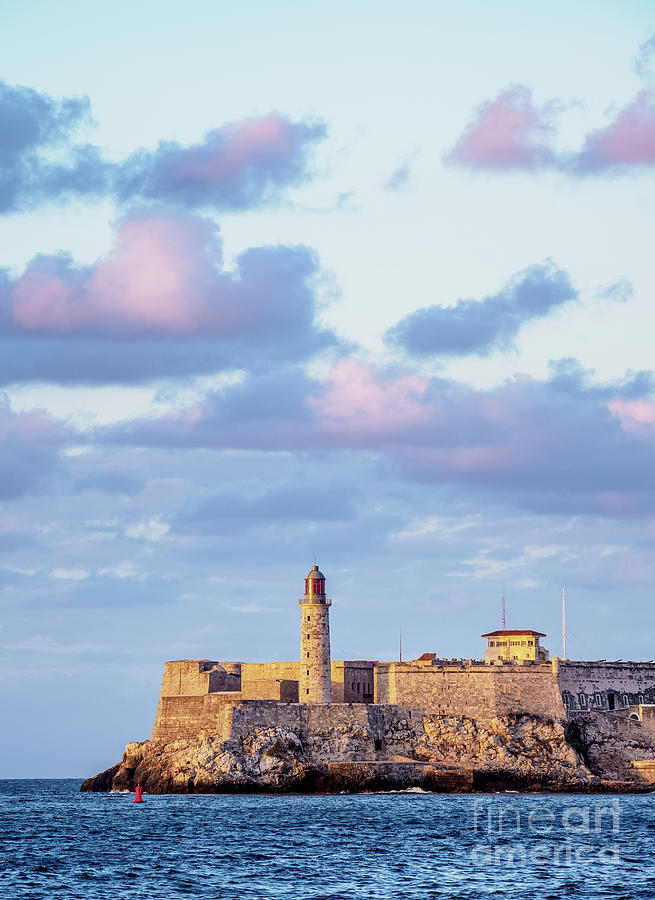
x=515 y=644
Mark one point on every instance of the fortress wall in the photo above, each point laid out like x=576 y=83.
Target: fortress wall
x=528 y=689
x=231 y=667
x=223 y=681
x=338 y=731
x=343 y=675
x=270 y=689
x=186 y=676
x=184 y=717
x=352 y=681
x=196 y=676
x=288 y=671
x=358 y=682
x=632 y=679
x=480 y=691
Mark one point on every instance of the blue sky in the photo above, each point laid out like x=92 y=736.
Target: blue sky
x=360 y=281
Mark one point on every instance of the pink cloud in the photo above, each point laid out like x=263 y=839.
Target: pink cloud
x=635 y=415
x=268 y=140
x=360 y=403
x=152 y=281
x=629 y=140
x=238 y=166
x=509 y=132
x=164 y=278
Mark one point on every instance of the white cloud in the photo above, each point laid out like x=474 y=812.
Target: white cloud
x=76 y=574
x=152 y=529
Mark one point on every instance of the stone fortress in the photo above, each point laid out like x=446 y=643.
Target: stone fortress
x=316 y=694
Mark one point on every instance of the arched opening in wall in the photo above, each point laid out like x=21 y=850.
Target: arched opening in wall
x=610 y=700
x=634 y=716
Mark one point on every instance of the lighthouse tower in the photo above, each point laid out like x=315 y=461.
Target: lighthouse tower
x=315 y=684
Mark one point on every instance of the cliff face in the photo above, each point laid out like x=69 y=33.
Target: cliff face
x=610 y=742
x=437 y=753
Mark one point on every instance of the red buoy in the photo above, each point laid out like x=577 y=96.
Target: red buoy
x=138 y=793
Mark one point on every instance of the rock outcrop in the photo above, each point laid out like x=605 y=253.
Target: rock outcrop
x=444 y=753
x=610 y=742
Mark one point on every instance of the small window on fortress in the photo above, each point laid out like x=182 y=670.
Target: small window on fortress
x=583 y=700
x=624 y=699
x=307 y=672
x=358 y=687
x=308 y=654
x=641 y=698
x=308 y=618
x=307 y=691
x=307 y=635
x=599 y=700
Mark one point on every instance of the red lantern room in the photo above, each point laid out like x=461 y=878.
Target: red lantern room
x=315 y=583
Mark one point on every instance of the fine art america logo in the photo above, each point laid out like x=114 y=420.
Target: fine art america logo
x=511 y=835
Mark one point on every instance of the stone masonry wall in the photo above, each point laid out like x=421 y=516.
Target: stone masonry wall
x=598 y=685
x=479 y=691
x=289 y=670
x=187 y=676
x=185 y=717
x=270 y=689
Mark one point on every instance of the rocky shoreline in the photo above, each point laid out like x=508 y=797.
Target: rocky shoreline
x=458 y=755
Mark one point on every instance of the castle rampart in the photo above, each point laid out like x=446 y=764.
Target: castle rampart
x=605 y=685
x=471 y=689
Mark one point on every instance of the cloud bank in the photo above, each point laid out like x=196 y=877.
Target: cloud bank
x=555 y=445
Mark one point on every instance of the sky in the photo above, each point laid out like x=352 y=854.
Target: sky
x=364 y=282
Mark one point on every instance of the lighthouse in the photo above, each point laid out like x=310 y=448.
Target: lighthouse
x=315 y=684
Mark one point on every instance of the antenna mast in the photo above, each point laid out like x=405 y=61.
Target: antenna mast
x=400 y=657
x=563 y=624
x=505 y=631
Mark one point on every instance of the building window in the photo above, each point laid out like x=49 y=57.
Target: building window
x=641 y=698
x=624 y=699
x=308 y=618
x=307 y=635
x=308 y=654
x=378 y=743
x=353 y=685
x=599 y=700
x=583 y=701
x=530 y=643
x=307 y=691
x=307 y=672
x=358 y=687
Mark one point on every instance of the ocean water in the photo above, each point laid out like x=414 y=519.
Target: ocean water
x=56 y=843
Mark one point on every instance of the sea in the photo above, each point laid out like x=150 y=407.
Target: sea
x=57 y=843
